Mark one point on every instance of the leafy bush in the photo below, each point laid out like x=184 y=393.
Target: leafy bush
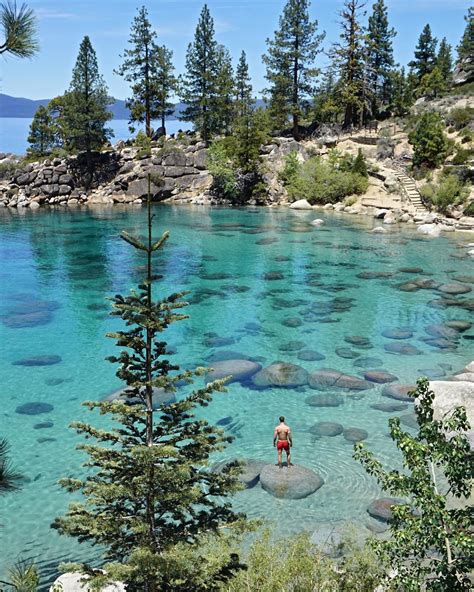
x=467 y=135
x=460 y=117
x=469 y=209
x=221 y=167
x=143 y=142
x=450 y=191
x=430 y=145
x=360 y=165
x=321 y=182
x=299 y=566
x=462 y=155
x=291 y=168
x=24 y=576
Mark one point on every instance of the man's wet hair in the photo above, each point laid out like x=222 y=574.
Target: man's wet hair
x=282 y=418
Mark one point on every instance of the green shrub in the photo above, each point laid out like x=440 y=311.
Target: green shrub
x=143 y=142
x=221 y=167
x=24 y=576
x=430 y=145
x=320 y=182
x=360 y=166
x=460 y=117
x=299 y=566
x=469 y=209
x=291 y=168
x=450 y=191
x=462 y=155
x=467 y=135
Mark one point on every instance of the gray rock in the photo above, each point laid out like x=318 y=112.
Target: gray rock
x=404 y=349
x=301 y=204
x=292 y=322
x=238 y=370
x=326 y=428
x=174 y=159
x=293 y=482
x=38 y=361
x=368 y=362
x=160 y=397
x=381 y=508
x=347 y=353
x=355 y=434
x=324 y=400
x=250 y=473
x=454 y=288
x=358 y=341
x=200 y=160
x=399 y=391
x=460 y=325
x=379 y=376
x=389 y=407
x=292 y=346
x=449 y=395
x=409 y=420
x=35 y=408
x=397 y=333
x=328 y=377
x=309 y=355
x=73 y=582
x=281 y=374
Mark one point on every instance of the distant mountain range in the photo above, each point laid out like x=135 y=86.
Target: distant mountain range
x=26 y=108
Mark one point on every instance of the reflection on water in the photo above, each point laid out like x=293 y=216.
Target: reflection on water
x=264 y=285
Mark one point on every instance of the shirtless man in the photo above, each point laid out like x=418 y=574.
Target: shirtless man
x=283 y=441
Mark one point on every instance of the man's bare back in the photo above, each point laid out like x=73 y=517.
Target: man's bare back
x=283 y=441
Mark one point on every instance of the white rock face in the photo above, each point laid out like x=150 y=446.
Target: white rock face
x=317 y=222
x=339 y=207
x=471 y=252
x=379 y=230
x=301 y=204
x=454 y=394
x=390 y=218
x=427 y=218
x=71 y=582
x=429 y=229
x=328 y=206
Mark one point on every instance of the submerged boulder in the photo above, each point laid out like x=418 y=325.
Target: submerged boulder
x=250 y=470
x=399 y=391
x=355 y=434
x=379 y=376
x=281 y=374
x=328 y=377
x=160 y=397
x=381 y=508
x=324 y=400
x=237 y=369
x=295 y=482
x=326 y=428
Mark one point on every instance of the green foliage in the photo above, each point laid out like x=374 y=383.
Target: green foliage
x=221 y=165
x=349 y=59
x=148 y=492
x=24 y=576
x=430 y=145
x=43 y=133
x=243 y=87
x=84 y=108
x=450 y=191
x=467 y=135
x=148 y=67
x=425 y=54
x=224 y=100
x=465 y=48
x=432 y=84
x=402 y=96
x=19 y=30
x=326 y=108
x=360 y=165
x=199 y=86
x=9 y=479
x=143 y=142
x=250 y=133
x=460 y=117
x=462 y=155
x=469 y=209
x=430 y=545
x=290 y=63
x=299 y=566
x=326 y=182
x=291 y=168
x=444 y=60
x=379 y=57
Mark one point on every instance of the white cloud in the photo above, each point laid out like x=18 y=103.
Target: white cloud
x=44 y=13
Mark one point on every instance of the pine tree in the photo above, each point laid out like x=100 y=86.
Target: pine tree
x=425 y=54
x=42 y=137
x=348 y=57
x=290 y=62
x=429 y=142
x=85 y=110
x=225 y=84
x=402 y=93
x=251 y=133
x=379 y=57
x=465 y=48
x=149 y=69
x=149 y=498
x=200 y=81
x=19 y=30
x=433 y=84
x=325 y=106
x=243 y=87
x=444 y=60
x=9 y=478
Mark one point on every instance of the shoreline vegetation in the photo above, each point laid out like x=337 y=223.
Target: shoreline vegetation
x=366 y=137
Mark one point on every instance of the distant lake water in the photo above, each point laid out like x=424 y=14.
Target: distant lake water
x=14 y=132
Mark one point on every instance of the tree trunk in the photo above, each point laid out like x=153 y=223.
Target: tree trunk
x=296 y=131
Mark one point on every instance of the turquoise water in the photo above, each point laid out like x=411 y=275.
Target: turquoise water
x=57 y=268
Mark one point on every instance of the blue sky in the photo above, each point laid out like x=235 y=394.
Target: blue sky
x=240 y=24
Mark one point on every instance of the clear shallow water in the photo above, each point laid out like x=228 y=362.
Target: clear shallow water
x=61 y=265
x=14 y=132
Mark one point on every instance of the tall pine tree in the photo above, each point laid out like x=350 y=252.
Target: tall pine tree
x=379 y=57
x=290 y=62
x=42 y=137
x=243 y=87
x=465 y=48
x=199 y=85
x=85 y=107
x=225 y=96
x=444 y=60
x=148 y=67
x=425 y=54
x=149 y=497
x=349 y=58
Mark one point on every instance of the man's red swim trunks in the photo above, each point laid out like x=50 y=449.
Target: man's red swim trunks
x=283 y=445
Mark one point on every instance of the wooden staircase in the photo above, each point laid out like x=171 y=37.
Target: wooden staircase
x=410 y=190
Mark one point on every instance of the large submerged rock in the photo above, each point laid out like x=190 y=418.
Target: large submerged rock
x=250 y=470
x=293 y=482
x=328 y=377
x=281 y=374
x=238 y=370
x=381 y=508
x=160 y=397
